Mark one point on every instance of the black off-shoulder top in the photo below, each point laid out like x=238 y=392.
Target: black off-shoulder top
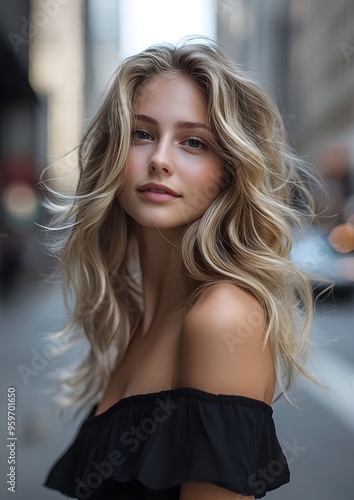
x=145 y=446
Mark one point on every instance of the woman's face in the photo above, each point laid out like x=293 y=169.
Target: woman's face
x=171 y=146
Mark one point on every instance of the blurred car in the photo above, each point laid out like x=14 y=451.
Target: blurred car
x=314 y=253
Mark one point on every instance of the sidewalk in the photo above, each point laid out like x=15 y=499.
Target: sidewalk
x=27 y=360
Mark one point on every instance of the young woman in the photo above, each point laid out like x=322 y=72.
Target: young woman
x=178 y=252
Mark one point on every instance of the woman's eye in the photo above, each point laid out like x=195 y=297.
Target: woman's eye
x=195 y=143
x=141 y=135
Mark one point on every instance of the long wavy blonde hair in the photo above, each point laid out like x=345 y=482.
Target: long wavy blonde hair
x=245 y=236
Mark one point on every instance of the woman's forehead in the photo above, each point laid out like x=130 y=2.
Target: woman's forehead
x=175 y=92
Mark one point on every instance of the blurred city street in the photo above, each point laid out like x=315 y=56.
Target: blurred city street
x=317 y=435
x=57 y=58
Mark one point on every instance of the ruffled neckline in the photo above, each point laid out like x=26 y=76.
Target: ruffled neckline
x=177 y=392
x=150 y=444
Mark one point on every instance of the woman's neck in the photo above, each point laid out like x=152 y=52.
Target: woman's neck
x=165 y=288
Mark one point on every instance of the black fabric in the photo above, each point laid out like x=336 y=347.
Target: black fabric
x=146 y=445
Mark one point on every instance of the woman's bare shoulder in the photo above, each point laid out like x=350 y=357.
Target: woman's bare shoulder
x=221 y=345
x=221 y=297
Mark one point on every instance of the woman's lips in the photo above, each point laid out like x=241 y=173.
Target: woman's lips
x=159 y=197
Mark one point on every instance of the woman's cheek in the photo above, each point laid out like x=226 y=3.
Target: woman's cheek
x=206 y=185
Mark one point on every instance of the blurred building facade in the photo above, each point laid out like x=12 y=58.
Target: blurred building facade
x=322 y=45
x=304 y=51
x=41 y=117
x=256 y=35
x=22 y=118
x=102 y=50
x=57 y=71
x=322 y=82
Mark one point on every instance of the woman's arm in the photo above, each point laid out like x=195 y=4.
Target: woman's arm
x=220 y=351
x=208 y=491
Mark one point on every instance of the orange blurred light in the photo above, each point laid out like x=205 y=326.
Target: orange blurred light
x=19 y=200
x=341 y=238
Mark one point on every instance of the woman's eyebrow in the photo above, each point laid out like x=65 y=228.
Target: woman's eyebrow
x=145 y=118
x=182 y=124
x=179 y=124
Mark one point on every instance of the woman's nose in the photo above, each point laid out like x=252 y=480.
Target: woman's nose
x=162 y=158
